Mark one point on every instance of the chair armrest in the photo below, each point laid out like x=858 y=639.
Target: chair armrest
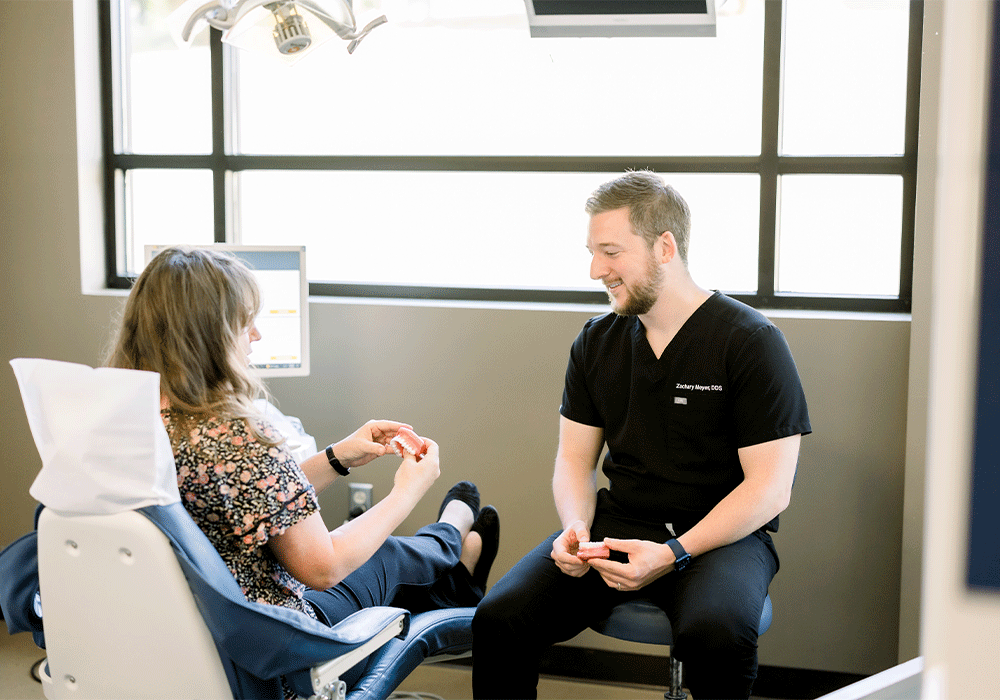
x=375 y=625
x=433 y=635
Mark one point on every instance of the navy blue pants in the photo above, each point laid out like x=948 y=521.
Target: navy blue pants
x=417 y=573
x=714 y=607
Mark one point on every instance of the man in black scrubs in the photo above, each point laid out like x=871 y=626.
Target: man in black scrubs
x=699 y=403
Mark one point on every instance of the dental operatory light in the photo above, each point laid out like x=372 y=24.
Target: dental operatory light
x=289 y=27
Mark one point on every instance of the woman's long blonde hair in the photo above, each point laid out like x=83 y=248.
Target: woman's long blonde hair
x=183 y=319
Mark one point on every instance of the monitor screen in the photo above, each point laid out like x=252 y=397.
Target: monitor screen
x=283 y=322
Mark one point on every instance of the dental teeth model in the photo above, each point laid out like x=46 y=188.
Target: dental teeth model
x=407 y=441
x=593 y=550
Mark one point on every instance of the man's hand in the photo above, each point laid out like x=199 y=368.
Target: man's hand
x=647 y=561
x=368 y=442
x=565 y=547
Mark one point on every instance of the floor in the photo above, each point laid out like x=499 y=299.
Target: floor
x=453 y=682
x=18 y=653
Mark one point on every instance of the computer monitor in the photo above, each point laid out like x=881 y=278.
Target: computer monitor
x=283 y=322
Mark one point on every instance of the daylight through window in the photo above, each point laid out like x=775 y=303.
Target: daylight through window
x=450 y=156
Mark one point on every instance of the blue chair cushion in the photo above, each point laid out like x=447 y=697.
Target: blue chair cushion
x=639 y=620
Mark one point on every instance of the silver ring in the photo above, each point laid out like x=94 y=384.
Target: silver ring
x=619 y=586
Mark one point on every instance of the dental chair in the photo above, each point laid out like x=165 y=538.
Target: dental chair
x=131 y=600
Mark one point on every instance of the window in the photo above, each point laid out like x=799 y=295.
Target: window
x=451 y=155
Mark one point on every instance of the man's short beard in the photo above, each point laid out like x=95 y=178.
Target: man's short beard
x=644 y=297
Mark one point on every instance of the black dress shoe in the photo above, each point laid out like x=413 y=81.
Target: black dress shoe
x=464 y=491
x=488 y=527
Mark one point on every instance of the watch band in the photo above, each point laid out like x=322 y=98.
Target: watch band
x=681 y=557
x=335 y=463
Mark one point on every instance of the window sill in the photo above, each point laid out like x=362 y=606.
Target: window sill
x=588 y=309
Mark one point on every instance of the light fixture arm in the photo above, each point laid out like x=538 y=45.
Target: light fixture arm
x=364 y=32
x=342 y=30
x=221 y=14
x=215 y=13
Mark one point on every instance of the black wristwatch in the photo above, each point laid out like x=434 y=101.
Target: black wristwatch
x=682 y=558
x=335 y=463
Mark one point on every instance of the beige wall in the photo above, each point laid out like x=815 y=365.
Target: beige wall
x=484 y=382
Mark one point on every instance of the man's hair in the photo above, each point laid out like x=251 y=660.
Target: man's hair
x=653 y=207
x=183 y=319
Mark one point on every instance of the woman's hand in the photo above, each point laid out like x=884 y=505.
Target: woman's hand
x=415 y=477
x=368 y=442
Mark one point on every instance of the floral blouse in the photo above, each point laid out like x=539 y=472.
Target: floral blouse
x=242 y=492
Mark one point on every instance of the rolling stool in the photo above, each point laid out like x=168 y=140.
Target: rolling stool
x=638 y=620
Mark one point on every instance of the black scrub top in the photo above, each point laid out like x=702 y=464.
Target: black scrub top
x=673 y=424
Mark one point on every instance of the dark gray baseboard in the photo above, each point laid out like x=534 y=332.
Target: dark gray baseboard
x=780 y=683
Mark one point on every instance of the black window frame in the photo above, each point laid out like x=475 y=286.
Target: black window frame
x=770 y=165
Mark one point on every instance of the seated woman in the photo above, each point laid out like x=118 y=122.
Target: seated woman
x=190 y=317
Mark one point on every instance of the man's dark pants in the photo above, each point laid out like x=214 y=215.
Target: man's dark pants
x=714 y=608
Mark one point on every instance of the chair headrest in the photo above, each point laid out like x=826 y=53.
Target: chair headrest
x=100 y=436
